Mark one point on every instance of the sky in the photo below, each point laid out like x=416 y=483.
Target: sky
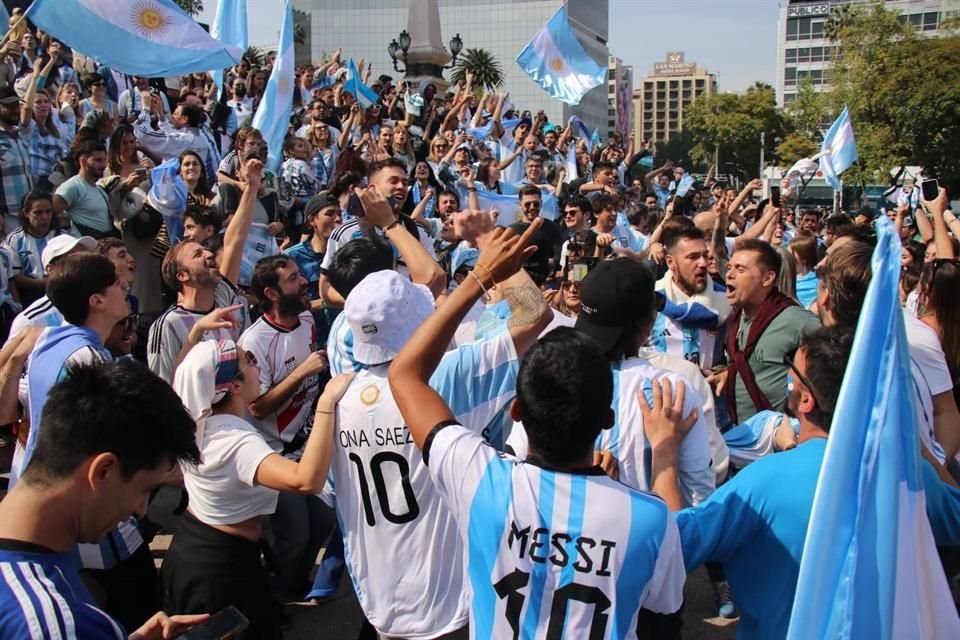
x=736 y=39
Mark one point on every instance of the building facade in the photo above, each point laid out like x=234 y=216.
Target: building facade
x=364 y=28
x=619 y=97
x=804 y=51
x=664 y=94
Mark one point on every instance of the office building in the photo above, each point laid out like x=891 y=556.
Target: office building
x=805 y=51
x=619 y=97
x=662 y=97
x=364 y=28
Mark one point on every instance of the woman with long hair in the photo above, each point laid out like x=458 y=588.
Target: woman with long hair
x=256 y=85
x=214 y=560
x=403 y=146
x=422 y=180
x=194 y=175
x=37 y=124
x=488 y=178
x=123 y=157
x=26 y=243
x=939 y=308
x=804 y=250
x=325 y=153
x=67 y=106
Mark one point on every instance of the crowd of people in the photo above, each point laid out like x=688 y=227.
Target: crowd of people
x=517 y=382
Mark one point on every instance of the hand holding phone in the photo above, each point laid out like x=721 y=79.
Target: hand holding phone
x=227 y=623
x=930 y=189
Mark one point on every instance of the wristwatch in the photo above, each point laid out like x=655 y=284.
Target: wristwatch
x=393 y=224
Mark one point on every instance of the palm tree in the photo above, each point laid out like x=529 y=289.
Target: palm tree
x=192 y=7
x=486 y=69
x=255 y=57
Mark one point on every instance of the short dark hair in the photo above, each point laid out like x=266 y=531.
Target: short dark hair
x=564 y=393
x=119 y=407
x=827 y=351
x=203 y=216
x=105 y=244
x=76 y=278
x=193 y=113
x=671 y=236
x=344 y=181
x=265 y=276
x=580 y=202
x=35 y=196
x=602 y=202
x=845 y=275
x=386 y=163
x=87 y=148
x=529 y=190
x=604 y=164
x=356 y=260
x=836 y=222
x=769 y=259
x=449 y=193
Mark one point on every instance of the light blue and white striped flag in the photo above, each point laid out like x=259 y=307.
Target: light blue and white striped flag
x=230 y=26
x=273 y=115
x=556 y=60
x=870 y=567
x=839 y=149
x=259 y=244
x=509 y=206
x=150 y=38
x=353 y=84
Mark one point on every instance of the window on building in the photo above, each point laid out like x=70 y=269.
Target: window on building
x=803 y=54
x=674 y=84
x=687 y=84
x=662 y=85
x=916 y=20
x=673 y=104
x=790 y=76
x=790 y=55
x=931 y=21
x=611 y=123
x=611 y=74
x=789 y=97
x=701 y=84
x=793 y=27
x=816 y=54
x=816 y=29
x=660 y=125
x=672 y=115
x=674 y=95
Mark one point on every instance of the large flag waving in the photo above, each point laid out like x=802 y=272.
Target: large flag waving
x=839 y=149
x=869 y=567
x=151 y=38
x=555 y=59
x=229 y=26
x=353 y=84
x=272 y=119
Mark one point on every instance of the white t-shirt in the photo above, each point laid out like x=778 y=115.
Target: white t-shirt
x=351 y=231
x=931 y=376
x=402 y=546
x=279 y=351
x=551 y=552
x=627 y=442
x=222 y=488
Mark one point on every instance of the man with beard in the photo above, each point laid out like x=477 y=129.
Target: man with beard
x=202 y=289
x=80 y=196
x=694 y=305
x=283 y=343
x=16 y=179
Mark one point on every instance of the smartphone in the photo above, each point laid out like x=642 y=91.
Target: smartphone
x=930 y=189
x=775 y=196
x=226 y=623
x=355 y=207
x=140 y=171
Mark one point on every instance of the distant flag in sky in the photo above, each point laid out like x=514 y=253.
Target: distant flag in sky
x=273 y=116
x=839 y=149
x=354 y=84
x=230 y=27
x=556 y=60
x=870 y=567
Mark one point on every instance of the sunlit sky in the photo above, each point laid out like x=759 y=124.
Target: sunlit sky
x=736 y=39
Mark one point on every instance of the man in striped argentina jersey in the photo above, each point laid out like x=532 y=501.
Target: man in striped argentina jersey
x=113 y=433
x=554 y=546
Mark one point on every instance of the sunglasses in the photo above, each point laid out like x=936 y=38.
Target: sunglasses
x=251 y=362
x=788 y=361
x=531 y=205
x=568 y=284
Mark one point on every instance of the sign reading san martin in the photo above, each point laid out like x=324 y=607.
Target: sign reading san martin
x=674 y=65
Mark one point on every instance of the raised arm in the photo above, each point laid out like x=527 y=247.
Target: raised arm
x=752 y=186
x=926 y=229
x=239 y=228
x=348 y=125
x=38 y=79
x=941 y=233
x=421 y=406
x=498 y=130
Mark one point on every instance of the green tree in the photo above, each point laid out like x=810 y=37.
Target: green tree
x=733 y=123
x=486 y=69
x=255 y=57
x=794 y=147
x=192 y=7
x=677 y=148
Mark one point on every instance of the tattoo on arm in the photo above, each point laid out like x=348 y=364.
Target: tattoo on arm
x=526 y=305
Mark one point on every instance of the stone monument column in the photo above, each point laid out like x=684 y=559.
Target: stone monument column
x=427 y=55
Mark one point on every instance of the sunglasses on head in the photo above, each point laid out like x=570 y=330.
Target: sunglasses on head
x=788 y=361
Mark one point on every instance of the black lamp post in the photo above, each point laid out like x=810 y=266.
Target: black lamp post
x=400 y=45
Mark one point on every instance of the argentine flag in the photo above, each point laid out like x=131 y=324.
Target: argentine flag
x=150 y=38
x=869 y=567
x=273 y=115
x=365 y=95
x=839 y=149
x=509 y=205
x=557 y=62
x=229 y=26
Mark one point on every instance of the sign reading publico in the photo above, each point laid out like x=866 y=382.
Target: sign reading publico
x=807 y=10
x=674 y=65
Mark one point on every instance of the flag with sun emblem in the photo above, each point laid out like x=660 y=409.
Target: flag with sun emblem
x=273 y=115
x=556 y=60
x=151 y=38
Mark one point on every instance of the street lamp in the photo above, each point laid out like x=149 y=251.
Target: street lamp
x=400 y=45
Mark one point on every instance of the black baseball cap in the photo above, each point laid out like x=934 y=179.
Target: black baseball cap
x=319 y=201
x=8 y=95
x=613 y=297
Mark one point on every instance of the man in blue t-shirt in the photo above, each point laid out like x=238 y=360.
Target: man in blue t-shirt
x=112 y=432
x=760 y=517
